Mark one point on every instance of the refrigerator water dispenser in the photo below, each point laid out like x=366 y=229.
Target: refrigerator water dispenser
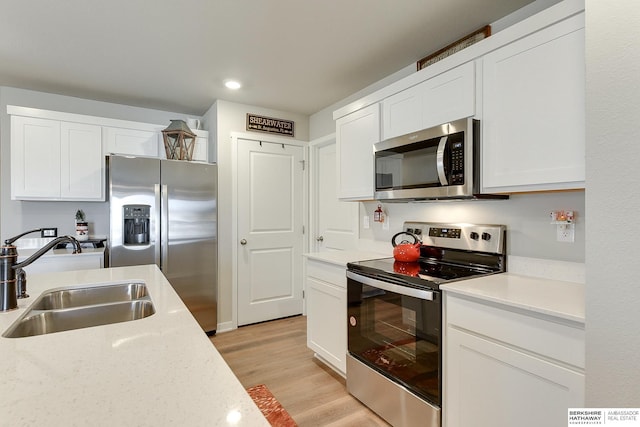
x=136 y=224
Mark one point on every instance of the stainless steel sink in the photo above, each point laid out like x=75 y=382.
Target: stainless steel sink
x=76 y=308
x=77 y=297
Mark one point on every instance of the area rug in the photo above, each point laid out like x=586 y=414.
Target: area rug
x=270 y=407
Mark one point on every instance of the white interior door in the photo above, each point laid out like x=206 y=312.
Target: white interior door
x=270 y=233
x=335 y=222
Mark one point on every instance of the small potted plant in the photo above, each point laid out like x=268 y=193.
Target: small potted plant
x=82 y=226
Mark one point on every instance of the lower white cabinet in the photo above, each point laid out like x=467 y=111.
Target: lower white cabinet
x=52 y=263
x=326 y=295
x=507 y=368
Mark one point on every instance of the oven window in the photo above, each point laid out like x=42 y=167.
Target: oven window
x=398 y=336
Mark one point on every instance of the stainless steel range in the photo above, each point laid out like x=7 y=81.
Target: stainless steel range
x=394 y=310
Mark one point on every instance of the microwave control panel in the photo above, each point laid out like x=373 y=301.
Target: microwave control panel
x=457 y=159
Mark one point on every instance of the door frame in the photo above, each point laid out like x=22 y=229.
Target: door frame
x=235 y=136
x=313 y=187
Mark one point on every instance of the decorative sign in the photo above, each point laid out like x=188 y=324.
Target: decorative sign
x=454 y=47
x=270 y=125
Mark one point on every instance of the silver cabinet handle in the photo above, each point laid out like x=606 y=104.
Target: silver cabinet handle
x=243 y=242
x=320 y=239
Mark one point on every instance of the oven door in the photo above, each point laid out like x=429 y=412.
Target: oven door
x=395 y=330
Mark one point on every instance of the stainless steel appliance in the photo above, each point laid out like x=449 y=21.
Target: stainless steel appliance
x=436 y=163
x=394 y=361
x=164 y=212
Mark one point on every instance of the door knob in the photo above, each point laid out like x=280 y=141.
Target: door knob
x=320 y=239
x=243 y=242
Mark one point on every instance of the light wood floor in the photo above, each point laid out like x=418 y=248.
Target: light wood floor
x=275 y=353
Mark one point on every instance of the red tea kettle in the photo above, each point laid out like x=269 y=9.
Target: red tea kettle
x=405 y=251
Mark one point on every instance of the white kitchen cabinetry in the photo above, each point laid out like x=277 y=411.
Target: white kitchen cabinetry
x=533 y=128
x=81 y=162
x=355 y=135
x=51 y=263
x=443 y=98
x=55 y=160
x=326 y=289
x=505 y=367
x=201 y=147
x=134 y=142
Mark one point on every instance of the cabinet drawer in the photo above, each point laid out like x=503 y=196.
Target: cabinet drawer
x=326 y=272
x=550 y=338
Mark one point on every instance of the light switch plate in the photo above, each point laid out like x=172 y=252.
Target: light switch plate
x=365 y=222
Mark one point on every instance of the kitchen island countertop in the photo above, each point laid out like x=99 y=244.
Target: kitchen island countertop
x=160 y=370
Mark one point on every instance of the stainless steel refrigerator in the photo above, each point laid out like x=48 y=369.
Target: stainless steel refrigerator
x=164 y=212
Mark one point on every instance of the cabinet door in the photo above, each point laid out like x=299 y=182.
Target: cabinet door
x=355 y=135
x=134 y=142
x=327 y=322
x=35 y=158
x=441 y=99
x=448 y=96
x=81 y=162
x=200 y=149
x=401 y=113
x=488 y=384
x=533 y=111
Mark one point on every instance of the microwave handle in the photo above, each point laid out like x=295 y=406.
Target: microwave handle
x=391 y=287
x=440 y=161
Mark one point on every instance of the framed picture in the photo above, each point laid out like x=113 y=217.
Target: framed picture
x=454 y=47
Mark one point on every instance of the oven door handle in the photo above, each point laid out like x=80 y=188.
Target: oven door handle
x=391 y=287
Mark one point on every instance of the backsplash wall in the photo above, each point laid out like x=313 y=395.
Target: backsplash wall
x=529 y=229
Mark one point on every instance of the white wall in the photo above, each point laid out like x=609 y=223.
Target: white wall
x=229 y=117
x=613 y=202
x=18 y=216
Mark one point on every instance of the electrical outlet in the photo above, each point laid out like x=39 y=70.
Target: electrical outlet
x=566 y=233
x=49 y=232
x=365 y=222
x=385 y=224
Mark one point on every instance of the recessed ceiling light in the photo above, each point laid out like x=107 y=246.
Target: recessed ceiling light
x=232 y=84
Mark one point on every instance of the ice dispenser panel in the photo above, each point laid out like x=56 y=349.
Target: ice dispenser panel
x=136 y=224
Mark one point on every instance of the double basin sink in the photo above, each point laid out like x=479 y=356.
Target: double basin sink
x=83 y=307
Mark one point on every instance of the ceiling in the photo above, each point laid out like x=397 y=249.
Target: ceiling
x=291 y=55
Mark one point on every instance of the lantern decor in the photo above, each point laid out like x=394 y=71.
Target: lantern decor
x=179 y=141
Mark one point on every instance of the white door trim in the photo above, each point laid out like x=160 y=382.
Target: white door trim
x=234 y=206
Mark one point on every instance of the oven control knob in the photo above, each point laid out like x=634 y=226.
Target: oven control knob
x=474 y=235
x=486 y=236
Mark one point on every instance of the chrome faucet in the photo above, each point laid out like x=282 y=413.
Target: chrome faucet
x=13 y=279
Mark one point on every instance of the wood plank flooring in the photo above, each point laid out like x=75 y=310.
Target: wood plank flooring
x=275 y=353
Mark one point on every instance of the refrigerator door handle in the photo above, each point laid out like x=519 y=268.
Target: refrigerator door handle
x=164 y=219
x=156 y=227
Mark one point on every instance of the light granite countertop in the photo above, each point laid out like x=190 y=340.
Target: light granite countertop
x=560 y=299
x=341 y=258
x=160 y=370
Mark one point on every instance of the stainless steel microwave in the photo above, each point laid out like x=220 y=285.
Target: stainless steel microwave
x=432 y=164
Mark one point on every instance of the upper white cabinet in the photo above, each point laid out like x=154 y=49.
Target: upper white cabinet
x=440 y=99
x=355 y=135
x=134 y=142
x=533 y=127
x=55 y=160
